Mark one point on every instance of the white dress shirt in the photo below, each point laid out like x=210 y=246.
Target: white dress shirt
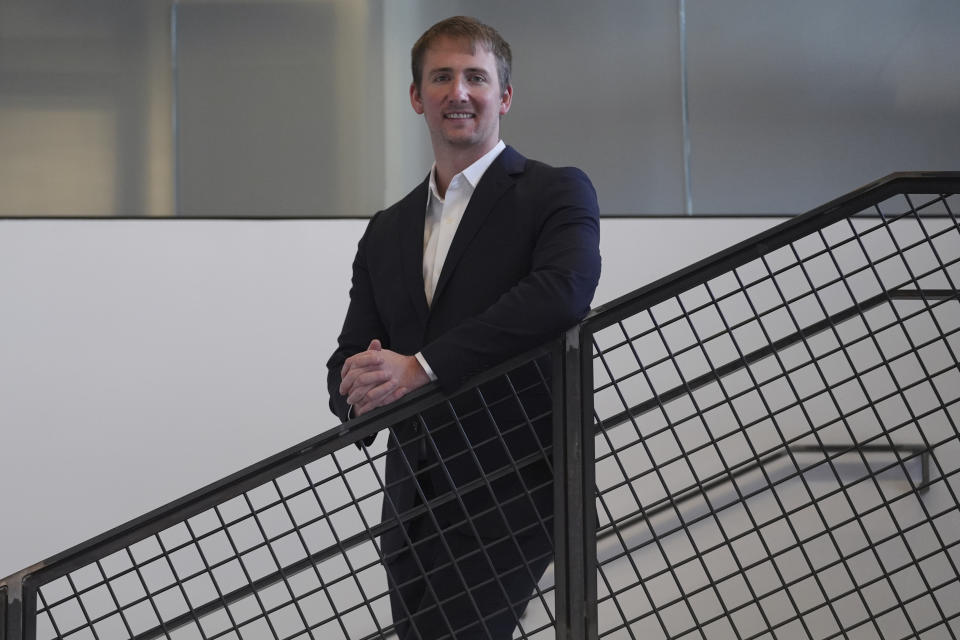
x=443 y=216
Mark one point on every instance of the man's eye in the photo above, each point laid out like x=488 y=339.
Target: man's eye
x=478 y=78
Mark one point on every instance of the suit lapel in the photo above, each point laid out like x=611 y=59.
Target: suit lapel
x=497 y=179
x=413 y=212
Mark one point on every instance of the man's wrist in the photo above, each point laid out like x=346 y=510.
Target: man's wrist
x=425 y=366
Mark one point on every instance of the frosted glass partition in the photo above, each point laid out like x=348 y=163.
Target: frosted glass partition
x=84 y=108
x=300 y=107
x=597 y=86
x=279 y=108
x=789 y=104
x=794 y=102
x=282 y=106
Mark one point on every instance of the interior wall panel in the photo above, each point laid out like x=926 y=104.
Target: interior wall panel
x=792 y=103
x=279 y=109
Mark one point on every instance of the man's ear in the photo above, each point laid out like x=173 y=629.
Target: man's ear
x=506 y=99
x=415 y=100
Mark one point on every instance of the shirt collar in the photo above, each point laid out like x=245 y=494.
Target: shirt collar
x=473 y=173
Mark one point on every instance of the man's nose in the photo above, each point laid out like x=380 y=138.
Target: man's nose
x=459 y=90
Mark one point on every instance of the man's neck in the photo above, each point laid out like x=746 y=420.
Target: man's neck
x=450 y=162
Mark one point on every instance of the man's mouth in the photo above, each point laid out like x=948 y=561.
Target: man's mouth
x=458 y=116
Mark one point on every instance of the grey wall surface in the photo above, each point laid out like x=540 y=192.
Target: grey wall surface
x=143 y=359
x=300 y=107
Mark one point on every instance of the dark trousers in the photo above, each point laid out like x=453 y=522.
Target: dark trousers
x=456 y=584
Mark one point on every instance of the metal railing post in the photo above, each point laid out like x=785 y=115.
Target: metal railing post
x=11 y=609
x=3 y=612
x=575 y=520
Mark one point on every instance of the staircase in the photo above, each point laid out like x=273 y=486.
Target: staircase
x=762 y=445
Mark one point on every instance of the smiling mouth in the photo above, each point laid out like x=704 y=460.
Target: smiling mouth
x=458 y=116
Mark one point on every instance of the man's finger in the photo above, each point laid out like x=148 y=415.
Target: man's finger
x=350 y=362
x=361 y=360
x=383 y=393
x=368 y=383
x=356 y=365
x=363 y=378
x=370 y=403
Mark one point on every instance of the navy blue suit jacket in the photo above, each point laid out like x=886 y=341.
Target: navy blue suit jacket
x=522 y=268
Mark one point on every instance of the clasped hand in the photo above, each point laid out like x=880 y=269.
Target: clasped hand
x=378 y=376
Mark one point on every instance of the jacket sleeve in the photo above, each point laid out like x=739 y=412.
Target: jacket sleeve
x=553 y=296
x=360 y=324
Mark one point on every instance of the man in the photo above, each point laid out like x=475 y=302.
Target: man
x=490 y=256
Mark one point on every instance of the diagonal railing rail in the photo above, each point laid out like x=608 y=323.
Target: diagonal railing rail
x=712 y=416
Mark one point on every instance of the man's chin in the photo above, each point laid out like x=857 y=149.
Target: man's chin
x=463 y=140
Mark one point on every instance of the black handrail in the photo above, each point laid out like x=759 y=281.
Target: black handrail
x=698 y=491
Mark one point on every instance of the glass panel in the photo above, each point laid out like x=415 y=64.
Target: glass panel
x=300 y=107
x=279 y=109
x=793 y=104
x=80 y=86
x=597 y=86
x=282 y=106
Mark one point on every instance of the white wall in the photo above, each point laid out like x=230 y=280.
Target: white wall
x=141 y=360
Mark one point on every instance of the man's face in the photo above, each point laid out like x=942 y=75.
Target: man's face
x=460 y=96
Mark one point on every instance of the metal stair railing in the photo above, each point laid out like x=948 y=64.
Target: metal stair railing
x=729 y=398
x=80 y=591
x=828 y=339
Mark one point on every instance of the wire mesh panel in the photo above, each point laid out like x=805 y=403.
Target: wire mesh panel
x=488 y=500
x=440 y=529
x=778 y=447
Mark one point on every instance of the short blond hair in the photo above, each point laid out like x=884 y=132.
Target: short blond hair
x=471 y=30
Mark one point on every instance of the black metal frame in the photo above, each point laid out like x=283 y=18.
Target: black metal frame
x=11 y=604
x=576 y=427
x=575 y=537
x=670 y=289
